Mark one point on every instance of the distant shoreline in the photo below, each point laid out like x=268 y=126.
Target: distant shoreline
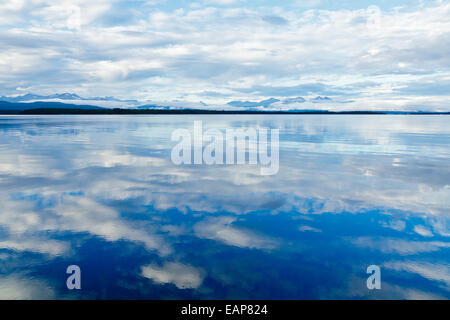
x=63 y=111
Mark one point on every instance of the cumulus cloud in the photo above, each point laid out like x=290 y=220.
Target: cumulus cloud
x=423 y=231
x=20 y=287
x=398 y=225
x=221 y=229
x=44 y=246
x=75 y=214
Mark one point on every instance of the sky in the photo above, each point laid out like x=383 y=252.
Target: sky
x=354 y=55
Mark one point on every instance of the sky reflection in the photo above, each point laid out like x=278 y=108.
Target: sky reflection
x=102 y=193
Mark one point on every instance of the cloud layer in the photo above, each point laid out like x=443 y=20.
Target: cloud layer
x=221 y=51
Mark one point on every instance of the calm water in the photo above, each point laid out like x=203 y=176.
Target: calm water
x=101 y=192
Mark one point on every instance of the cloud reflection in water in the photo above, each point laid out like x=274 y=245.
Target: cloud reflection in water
x=102 y=192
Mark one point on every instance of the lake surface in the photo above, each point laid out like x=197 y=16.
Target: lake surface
x=102 y=193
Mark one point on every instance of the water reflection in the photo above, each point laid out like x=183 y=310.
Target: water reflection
x=102 y=193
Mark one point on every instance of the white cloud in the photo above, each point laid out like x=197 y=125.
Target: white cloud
x=308 y=229
x=423 y=231
x=397 y=225
x=44 y=246
x=221 y=229
x=17 y=287
x=74 y=214
x=431 y=271
x=181 y=275
x=400 y=246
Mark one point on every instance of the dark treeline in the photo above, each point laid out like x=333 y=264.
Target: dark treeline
x=57 y=111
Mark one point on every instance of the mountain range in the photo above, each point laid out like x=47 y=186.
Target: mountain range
x=269 y=102
x=20 y=106
x=72 y=100
x=62 y=96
